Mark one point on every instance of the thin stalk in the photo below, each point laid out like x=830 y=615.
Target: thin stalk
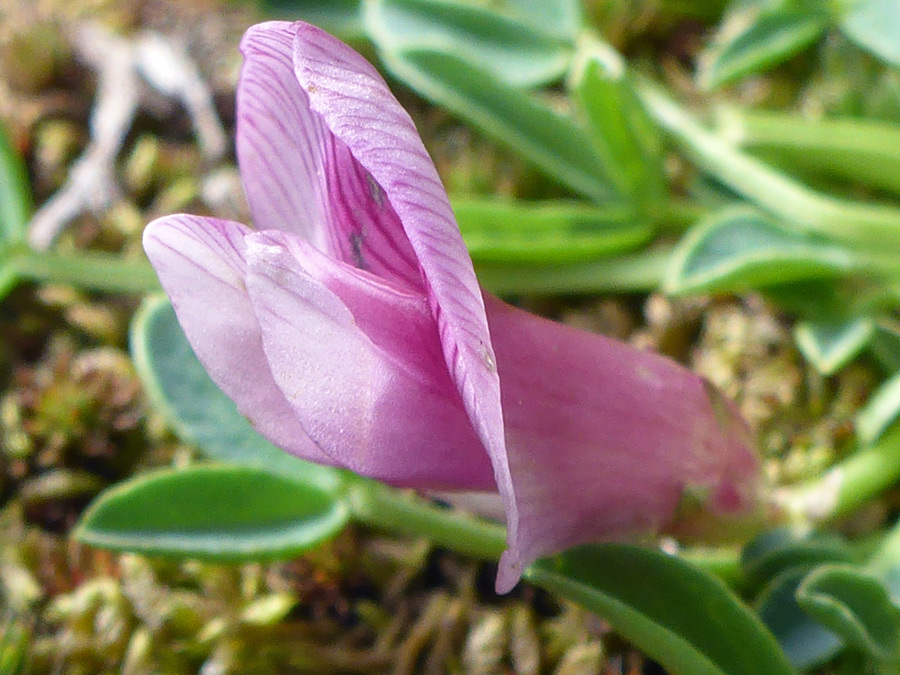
x=89 y=270
x=638 y=272
x=386 y=508
x=870 y=225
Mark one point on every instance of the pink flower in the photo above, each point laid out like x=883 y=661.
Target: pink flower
x=350 y=330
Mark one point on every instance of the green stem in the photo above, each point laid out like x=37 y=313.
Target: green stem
x=387 y=508
x=380 y=506
x=89 y=270
x=870 y=225
x=850 y=483
x=638 y=272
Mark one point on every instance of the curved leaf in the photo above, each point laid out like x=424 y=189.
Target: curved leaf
x=771 y=38
x=880 y=411
x=193 y=405
x=854 y=605
x=773 y=552
x=738 y=249
x=806 y=642
x=680 y=616
x=222 y=513
x=830 y=345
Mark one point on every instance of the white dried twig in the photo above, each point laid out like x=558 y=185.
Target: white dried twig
x=120 y=63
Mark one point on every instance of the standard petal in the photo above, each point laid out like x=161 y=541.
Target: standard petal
x=278 y=139
x=360 y=111
x=607 y=441
x=360 y=362
x=201 y=264
x=299 y=177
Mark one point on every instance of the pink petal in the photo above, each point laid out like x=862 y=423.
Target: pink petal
x=359 y=360
x=606 y=441
x=200 y=262
x=278 y=137
x=299 y=178
x=358 y=108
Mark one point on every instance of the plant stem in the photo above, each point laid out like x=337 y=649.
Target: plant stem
x=380 y=506
x=638 y=272
x=870 y=225
x=848 y=484
x=89 y=270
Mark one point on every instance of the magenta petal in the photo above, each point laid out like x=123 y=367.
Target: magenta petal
x=358 y=108
x=278 y=137
x=299 y=177
x=607 y=441
x=200 y=262
x=359 y=361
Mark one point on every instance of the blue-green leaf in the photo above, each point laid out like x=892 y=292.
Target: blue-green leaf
x=830 y=345
x=213 y=512
x=854 y=605
x=740 y=249
x=680 y=616
x=194 y=406
x=784 y=548
x=806 y=642
x=508 y=45
x=555 y=144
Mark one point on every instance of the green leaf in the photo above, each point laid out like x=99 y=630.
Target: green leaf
x=830 y=345
x=772 y=37
x=221 y=513
x=15 y=193
x=680 y=616
x=874 y=25
x=197 y=410
x=739 y=249
x=555 y=144
x=854 y=605
x=499 y=231
x=509 y=46
x=620 y=127
x=864 y=151
x=885 y=346
x=879 y=412
x=784 y=548
x=339 y=17
x=806 y=642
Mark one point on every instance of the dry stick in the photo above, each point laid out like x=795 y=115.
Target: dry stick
x=119 y=62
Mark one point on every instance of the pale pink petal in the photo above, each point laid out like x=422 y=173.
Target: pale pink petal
x=299 y=178
x=358 y=108
x=606 y=441
x=200 y=262
x=359 y=361
x=278 y=139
